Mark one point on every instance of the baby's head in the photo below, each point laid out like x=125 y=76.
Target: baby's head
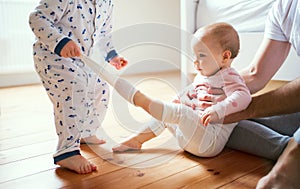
x=215 y=47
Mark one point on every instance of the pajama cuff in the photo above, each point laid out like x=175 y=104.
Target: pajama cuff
x=66 y=155
x=297 y=136
x=111 y=55
x=61 y=45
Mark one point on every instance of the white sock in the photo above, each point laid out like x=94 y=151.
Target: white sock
x=165 y=111
x=123 y=87
x=156 y=109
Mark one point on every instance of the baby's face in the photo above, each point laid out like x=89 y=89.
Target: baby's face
x=208 y=57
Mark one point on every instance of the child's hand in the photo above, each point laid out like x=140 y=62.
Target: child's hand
x=209 y=116
x=70 y=49
x=118 y=62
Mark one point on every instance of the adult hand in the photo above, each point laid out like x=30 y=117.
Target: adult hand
x=213 y=96
x=71 y=49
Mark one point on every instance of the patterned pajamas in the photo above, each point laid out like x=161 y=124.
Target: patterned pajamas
x=79 y=96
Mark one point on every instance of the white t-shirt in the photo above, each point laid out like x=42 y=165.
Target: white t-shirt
x=283 y=22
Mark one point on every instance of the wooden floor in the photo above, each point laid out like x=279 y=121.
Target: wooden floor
x=28 y=140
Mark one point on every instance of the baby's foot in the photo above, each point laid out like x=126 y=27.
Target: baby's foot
x=78 y=164
x=135 y=142
x=129 y=145
x=92 y=140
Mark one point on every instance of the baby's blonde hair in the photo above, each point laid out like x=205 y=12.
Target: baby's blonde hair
x=224 y=35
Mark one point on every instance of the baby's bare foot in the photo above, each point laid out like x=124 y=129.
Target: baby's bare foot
x=135 y=142
x=92 y=140
x=78 y=164
x=131 y=144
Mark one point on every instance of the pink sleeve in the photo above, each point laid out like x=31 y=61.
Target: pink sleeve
x=238 y=95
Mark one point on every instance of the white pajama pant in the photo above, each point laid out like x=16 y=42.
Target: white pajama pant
x=79 y=99
x=192 y=136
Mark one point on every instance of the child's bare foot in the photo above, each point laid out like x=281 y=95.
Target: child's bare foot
x=78 y=164
x=135 y=142
x=92 y=140
x=286 y=172
x=131 y=144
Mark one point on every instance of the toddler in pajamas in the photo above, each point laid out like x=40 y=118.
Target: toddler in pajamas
x=64 y=30
x=198 y=129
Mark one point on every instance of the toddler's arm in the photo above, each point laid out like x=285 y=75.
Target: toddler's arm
x=42 y=21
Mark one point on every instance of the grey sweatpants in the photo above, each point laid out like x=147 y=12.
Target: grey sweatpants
x=265 y=137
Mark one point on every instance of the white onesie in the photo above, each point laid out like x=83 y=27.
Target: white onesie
x=183 y=119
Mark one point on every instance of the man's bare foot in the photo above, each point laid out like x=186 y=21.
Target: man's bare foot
x=286 y=172
x=78 y=164
x=135 y=142
x=92 y=140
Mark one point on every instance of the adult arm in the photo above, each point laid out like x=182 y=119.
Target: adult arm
x=266 y=63
x=268 y=59
x=283 y=100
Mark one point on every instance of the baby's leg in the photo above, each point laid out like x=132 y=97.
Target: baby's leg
x=165 y=112
x=192 y=136
x=126 y=89
x=149 y=131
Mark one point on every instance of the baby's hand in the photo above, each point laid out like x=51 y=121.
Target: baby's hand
x=118 y=62
x=70 y=49
x=209 y=116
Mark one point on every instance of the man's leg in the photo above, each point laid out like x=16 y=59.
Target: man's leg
x=286 y=172
x=265 y=137
x=255 y=138
x=284 y=124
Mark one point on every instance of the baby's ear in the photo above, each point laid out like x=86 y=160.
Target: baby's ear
x=226 y=55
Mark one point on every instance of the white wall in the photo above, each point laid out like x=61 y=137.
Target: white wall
x=148 y=31
x=16 y=39
x=131 y=17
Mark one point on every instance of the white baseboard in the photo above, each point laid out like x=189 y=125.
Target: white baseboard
x=29 y=78
x=16 y=79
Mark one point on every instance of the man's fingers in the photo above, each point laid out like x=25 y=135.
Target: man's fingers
x=215 y=91
x=220 y=98
x=205 y=104
x=208 y=98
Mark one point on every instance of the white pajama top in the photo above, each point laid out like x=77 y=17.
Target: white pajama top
x=86 y=22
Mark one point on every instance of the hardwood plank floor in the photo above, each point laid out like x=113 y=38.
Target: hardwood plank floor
x=28 y=140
